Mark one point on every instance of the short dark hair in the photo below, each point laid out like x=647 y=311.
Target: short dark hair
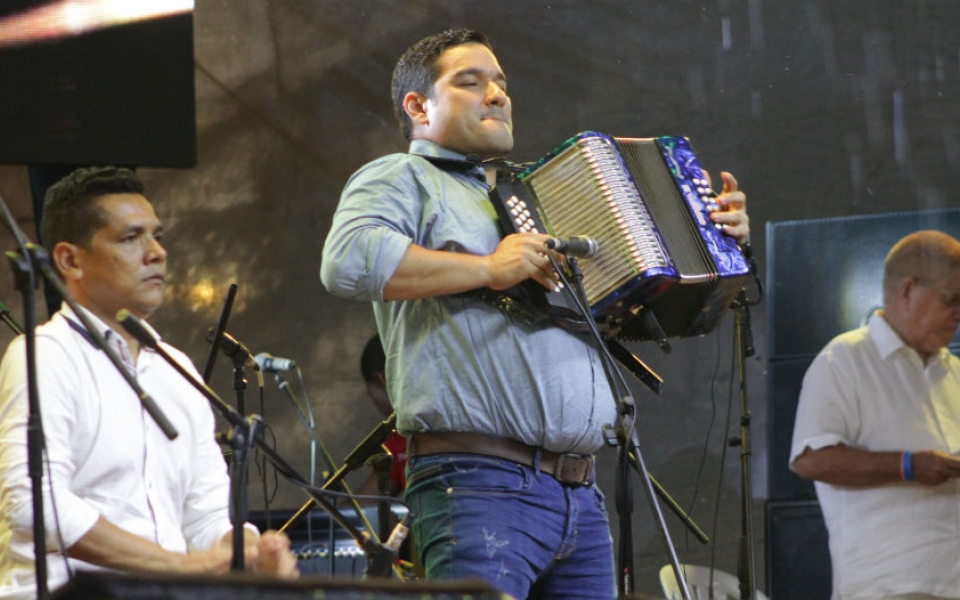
x=373 y=360
x=416 y=71
x=70 y=211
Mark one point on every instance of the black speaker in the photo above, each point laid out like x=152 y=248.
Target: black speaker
x=87 y=585
x=825 y=274
x=798 y=557
x=784 y=378
x=118 y=94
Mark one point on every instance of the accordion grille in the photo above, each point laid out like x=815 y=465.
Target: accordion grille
x=586 y=190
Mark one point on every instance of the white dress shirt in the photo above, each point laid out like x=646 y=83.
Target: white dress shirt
x=106 y=456
x=868 y=390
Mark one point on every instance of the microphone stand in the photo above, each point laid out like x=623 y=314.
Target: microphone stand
x=623 y=435
x=24 y=265
x=221 y=328
x=746 y=558
x=371 y=445
x=314 y=444
x=239 y=384
x=653 y=382
x=240 y=439
x=378 y=555
x=381 y=464
x=26 y=281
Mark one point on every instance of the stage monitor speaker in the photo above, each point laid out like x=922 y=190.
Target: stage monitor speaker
x=798 y=552
x=114 y=87
x=825 y=274
x=89 y=585
x=784 y=378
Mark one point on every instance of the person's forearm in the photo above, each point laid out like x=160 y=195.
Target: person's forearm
x=426 y=273
x=107 y=545
x=843 y=465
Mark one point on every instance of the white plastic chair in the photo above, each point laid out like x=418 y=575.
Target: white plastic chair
x=725 y=585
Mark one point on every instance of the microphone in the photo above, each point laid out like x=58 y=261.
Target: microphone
x=380 y=557
x=579 y=246
x=135 y=328
x=274 y=364
x=399 y=533
x=234 y=349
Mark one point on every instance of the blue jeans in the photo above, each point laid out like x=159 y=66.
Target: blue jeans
x=515 y=527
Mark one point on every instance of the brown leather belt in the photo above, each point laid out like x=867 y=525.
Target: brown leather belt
x=567 y=468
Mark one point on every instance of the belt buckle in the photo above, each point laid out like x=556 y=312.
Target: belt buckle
x=573 y=468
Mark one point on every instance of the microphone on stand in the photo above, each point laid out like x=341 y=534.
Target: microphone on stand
x=399 y=533
x=135 y=328
x=240 y=354
x=274 y=364
x=579 y=246
x=380 y=557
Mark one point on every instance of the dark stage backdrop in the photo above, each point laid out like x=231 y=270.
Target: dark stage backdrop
x=820 y=108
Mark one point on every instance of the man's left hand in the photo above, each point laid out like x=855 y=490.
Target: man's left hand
x=733 y=209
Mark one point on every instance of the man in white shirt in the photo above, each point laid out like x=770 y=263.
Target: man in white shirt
x=878 y=429
x=117 y=493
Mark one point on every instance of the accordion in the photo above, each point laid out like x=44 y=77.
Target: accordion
x=662 y=269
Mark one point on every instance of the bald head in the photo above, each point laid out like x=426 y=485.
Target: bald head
x=930 y=256
x=921 y=291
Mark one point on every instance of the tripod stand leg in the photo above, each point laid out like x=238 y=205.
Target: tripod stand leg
x=646 y=479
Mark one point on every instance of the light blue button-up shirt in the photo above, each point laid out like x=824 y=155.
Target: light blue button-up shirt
x=455 y=363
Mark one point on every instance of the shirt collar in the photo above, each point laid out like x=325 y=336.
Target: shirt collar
x=105 y=330
x=430 y=149
x=888 y=342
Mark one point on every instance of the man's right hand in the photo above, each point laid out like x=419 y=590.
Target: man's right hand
x=424 y=273
x=522 y=256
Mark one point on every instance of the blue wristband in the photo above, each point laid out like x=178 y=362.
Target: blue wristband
x=906 y=466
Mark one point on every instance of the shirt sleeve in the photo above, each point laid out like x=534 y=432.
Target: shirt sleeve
x=378 y=217
x=73 y=517
x=827 y=412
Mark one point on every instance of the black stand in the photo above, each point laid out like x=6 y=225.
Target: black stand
x=372 y=444
x=381 y=467
x=746 y=558
x=240 y=439
x=380 y=557
x=240 y=387
x=623 y=435
x=26 y=281
x=353 y=461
